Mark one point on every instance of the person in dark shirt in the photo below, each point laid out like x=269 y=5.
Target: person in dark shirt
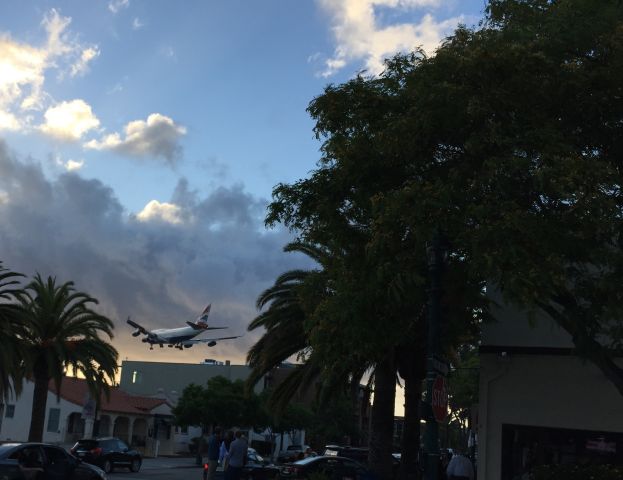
x=214 y=443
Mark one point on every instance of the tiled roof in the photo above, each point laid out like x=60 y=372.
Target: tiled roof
x=75 y=390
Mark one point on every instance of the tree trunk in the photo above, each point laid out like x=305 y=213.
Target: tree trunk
x=382 y=424
x=39 y=402
x=411 y=367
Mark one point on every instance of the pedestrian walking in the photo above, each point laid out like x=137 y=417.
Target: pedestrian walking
x=460 y=468
x=213 y=453
x=237 y=457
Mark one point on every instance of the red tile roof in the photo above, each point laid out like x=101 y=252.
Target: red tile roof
x=75 y=390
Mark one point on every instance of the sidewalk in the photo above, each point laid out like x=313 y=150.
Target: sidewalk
x=169 y=462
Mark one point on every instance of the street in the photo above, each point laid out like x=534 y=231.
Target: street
x=164 y=468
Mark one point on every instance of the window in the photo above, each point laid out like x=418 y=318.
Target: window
x=10 y=411
x=53 y=419
x=136 y=377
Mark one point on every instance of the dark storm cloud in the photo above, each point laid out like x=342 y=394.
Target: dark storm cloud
x=160 y=274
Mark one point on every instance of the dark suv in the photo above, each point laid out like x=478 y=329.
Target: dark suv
x=107 y=453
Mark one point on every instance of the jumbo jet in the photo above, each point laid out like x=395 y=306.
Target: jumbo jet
x=183 y=337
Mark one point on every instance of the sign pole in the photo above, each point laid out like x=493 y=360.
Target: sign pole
x=434 y=388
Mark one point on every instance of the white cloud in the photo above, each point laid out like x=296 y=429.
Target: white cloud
x=161 y=212
x=8 y=121
x=157 y=137
x=73 y=165
x=137 y=24
x=23 y=68
x=360 y=37
x=81 y=66
x=115 y=5
x=69 y=120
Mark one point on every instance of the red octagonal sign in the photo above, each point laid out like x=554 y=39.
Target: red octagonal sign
x=440 y=399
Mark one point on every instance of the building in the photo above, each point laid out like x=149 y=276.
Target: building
x=141 y=421
x=539 y=403
x=170 y=379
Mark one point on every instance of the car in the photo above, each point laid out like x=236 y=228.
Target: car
x=359 y=454
x=258 y=468
x=24 y=461
x=332 y=467
x=292 y=453
x=107 y=453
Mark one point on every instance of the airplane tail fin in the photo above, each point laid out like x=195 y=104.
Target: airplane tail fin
x=202 y=321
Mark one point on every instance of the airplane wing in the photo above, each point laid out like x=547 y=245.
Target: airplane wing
x=210 y=342
x=139 y=329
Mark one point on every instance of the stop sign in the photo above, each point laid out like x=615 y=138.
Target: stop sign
x=440 y=399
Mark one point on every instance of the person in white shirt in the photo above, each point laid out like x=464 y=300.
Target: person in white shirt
x=460 y=468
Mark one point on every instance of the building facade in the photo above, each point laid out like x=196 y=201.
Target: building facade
x=540 y=403
x=141 y=421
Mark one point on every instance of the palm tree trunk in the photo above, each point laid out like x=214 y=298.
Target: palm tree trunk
x=411 y=432
x=382 y=424
x=39 y=402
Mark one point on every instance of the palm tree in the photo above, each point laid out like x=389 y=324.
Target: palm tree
x=60 y=332
x=10 y=377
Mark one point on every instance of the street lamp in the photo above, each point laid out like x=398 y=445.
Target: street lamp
x=436 y=254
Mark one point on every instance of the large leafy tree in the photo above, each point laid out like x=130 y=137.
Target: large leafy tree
x=60 y=331
x=513 y=134
x=10 y=354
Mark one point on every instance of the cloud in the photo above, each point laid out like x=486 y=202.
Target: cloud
x=137 y=24
x=76 y=229
x=23 y=68
x=360 y=36
x=81 y=66
x=158 y=136
x=73 y=165
x=69 y=120
x=160 y=212
x=116 y=5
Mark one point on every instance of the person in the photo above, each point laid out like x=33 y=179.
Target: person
x=460 y=468
x=213 y=453
x=223 y=455
x=237 y=457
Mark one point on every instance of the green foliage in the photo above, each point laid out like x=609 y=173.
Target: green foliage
x=58 y=330
x=10 y=368
x=577 y=472
x=221 y=402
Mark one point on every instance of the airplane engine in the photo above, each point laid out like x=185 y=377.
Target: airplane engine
x=136 y=334
x=188 y=345
x=211 y=344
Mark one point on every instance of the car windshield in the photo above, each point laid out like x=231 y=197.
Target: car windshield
x=85 y=444
x=305 y=461
x=7 y=447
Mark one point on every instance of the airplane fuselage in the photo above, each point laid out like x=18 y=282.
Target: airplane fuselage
x=172 y=335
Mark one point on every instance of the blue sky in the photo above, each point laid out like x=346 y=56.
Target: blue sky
x=140 y=141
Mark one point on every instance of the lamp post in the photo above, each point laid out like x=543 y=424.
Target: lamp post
x=436 y=253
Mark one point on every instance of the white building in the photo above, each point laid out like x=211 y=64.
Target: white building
x=143 y=422
x=541 y=404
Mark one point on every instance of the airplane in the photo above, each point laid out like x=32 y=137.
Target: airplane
x=183 y=337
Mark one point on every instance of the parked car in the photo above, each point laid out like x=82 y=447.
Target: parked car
x=359 y=454
x=332 y=467
x=258 y=468
x=25 y=461
x=291 y=453
x=107 y=453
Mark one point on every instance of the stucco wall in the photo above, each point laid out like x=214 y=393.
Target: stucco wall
x=17 y=428
x=540 y=390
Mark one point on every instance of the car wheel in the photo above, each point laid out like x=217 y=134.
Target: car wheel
x=108 y=466
x=135 y=466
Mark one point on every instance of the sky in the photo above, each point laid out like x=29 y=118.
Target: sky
x=140 y=142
